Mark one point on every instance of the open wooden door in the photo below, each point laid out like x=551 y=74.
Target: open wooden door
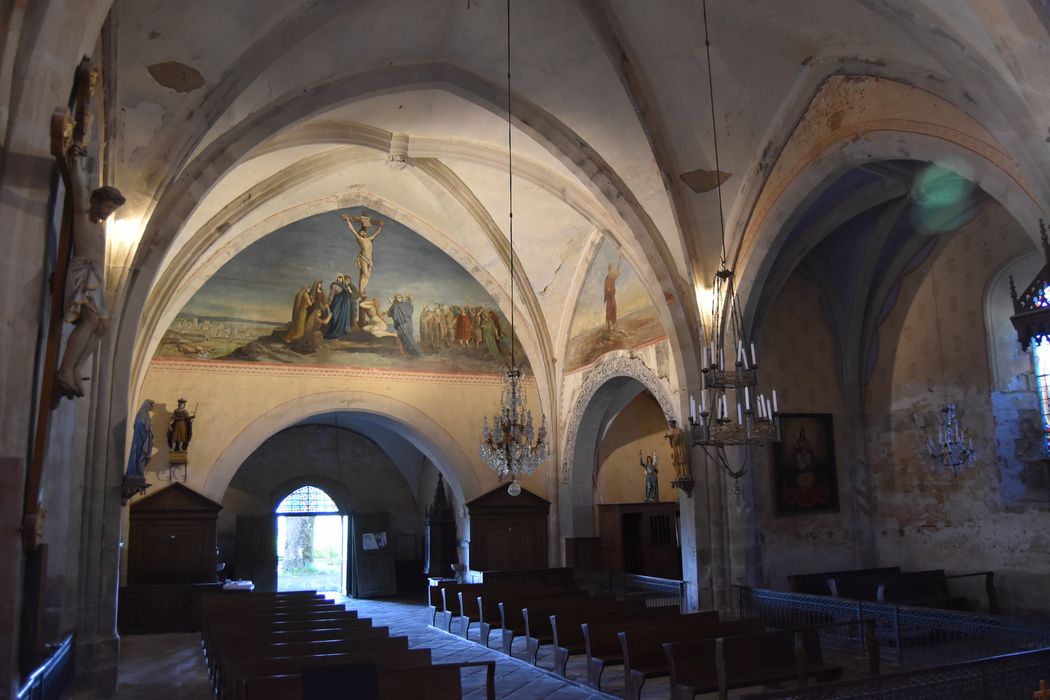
x=372 y=556
x=257 y=550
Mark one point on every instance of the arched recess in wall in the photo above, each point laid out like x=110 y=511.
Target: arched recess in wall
x=831 y=140
x=610 y=386
x=419 y=428
x=924 y=513
x=1015 y=392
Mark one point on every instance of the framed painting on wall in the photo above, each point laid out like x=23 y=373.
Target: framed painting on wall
x=804 y=475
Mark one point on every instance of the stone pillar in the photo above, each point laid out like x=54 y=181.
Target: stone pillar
x=98 y=645
x=703 y=552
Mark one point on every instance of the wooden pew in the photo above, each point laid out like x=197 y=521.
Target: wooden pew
x=817 y=583
x=487 y=606
x=482 y=605
x=558 y=577
x=260 y=620
x=643 y=654
x=437 y=682
x=924 y=588
x=602 y=644
x=512 y=622
x=453 y=595
x=724 y=663
x=567 y=629
x=436 y=604
x=537 y=616
x=278 y=643
x=391 y=652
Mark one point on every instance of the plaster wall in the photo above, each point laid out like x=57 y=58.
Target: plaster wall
x=640 y=426
x=802 y=365
x=439 y=414
x=926 y=517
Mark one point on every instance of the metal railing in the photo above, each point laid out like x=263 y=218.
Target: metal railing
x=54 y=679
x=657 y=592
x=998 y=678
x=912 y=635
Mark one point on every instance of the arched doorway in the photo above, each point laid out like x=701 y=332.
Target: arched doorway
x=311 y=542
x=609 y=387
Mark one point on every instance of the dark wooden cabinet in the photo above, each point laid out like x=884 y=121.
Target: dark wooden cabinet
x=641 y=538
x=171 y=561
x=439 y=535
x=508 y=532
x=172 y=538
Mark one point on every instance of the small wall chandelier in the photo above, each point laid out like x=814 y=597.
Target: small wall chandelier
x=756 y=418
x=953 y=449
x=513 y=448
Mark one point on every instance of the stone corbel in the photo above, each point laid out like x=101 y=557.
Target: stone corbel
x=132 y=486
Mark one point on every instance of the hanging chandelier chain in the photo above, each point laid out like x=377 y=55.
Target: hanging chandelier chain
x=953 y=448
x=513 y=448
x=714 y=135
x=937 y=330
x=510 y=193
x=733 y=373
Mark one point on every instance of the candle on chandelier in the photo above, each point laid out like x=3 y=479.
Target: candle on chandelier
x=747 y=399
x=692 y=406
x=739 y=414
x=725 y=407
x=705 y=357
x=754 y=362
x=703 y=402
x=776 y=409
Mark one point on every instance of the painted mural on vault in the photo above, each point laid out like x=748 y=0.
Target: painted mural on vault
x=613 y=312
x=343 y=288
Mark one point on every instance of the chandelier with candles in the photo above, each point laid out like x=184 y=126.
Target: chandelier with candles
x=733 y=411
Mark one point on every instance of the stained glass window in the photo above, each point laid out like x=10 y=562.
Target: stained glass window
x=308 y=499
x=1042 y=376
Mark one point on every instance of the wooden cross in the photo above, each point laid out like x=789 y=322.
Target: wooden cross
x=1042 y=693
x=66 y=132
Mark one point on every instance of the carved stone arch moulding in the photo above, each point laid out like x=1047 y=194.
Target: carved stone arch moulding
x=610 y=367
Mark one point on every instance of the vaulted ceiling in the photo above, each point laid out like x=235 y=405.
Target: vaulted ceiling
x=228 y=120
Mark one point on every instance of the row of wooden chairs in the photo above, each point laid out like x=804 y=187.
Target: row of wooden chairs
x=292 y=646
x=698 y=651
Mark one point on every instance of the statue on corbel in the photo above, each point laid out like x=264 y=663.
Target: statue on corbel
x=180 y=432
x=140 y=454
x=683 y=472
